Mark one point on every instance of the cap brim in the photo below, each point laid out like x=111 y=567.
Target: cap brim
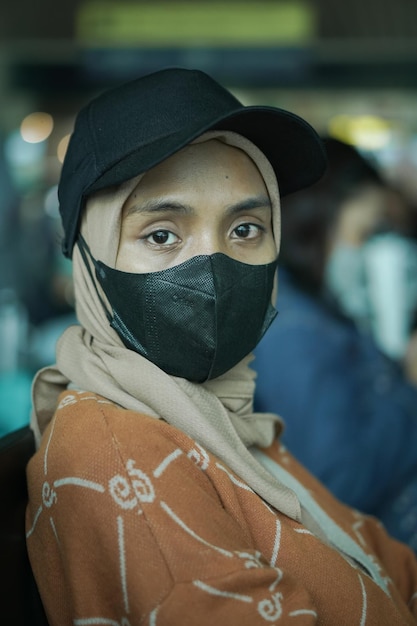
x=291 y=145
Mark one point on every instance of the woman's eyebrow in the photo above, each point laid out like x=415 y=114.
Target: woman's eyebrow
x=165 y=205
x=248 y=204
x=160 y=206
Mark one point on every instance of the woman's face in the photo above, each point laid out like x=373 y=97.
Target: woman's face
x=207 y=198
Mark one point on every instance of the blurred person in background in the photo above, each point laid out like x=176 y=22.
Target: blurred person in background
x=371 y=256
x=35 y=285
x=15 y=377
x=350 y=410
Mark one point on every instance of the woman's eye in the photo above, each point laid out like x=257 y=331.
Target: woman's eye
x=161 y=238
x=247 y=231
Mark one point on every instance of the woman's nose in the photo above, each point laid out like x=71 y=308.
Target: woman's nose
x=208 y=244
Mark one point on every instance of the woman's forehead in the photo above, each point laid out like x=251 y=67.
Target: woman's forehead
x=196 y=163
x=197 y=155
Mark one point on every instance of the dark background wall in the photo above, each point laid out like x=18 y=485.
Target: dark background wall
x=364 y=19
x=360 y=43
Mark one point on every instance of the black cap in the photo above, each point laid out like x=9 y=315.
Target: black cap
x=129 y=129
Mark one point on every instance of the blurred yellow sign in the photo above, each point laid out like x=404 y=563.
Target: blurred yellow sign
x=226 y=24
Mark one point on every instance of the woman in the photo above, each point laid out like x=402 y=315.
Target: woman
x=157 y=495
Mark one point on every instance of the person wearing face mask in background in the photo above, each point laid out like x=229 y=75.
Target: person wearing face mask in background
x=350 y=409
x=157 y=495
x=371 y=261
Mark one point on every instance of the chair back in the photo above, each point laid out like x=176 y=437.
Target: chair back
x=20 y=601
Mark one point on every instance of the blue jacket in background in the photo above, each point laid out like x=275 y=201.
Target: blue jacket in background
x=351 y=417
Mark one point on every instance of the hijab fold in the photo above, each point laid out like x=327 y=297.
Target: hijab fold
x=218 y=414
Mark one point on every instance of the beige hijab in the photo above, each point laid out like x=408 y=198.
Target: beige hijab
x=217 y=414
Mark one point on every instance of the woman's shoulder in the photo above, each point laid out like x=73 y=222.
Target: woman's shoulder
x=87 y=411
x=86 y=425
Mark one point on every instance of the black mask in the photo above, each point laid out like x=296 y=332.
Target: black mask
x=195 y=320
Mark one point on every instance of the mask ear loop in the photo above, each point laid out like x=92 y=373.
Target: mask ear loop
x=84 y=250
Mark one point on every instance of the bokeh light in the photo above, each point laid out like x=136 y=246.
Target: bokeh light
x=36 y=127
x=368 y=132
x=62 y=148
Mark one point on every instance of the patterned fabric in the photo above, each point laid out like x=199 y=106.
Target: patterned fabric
x=130 y=521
